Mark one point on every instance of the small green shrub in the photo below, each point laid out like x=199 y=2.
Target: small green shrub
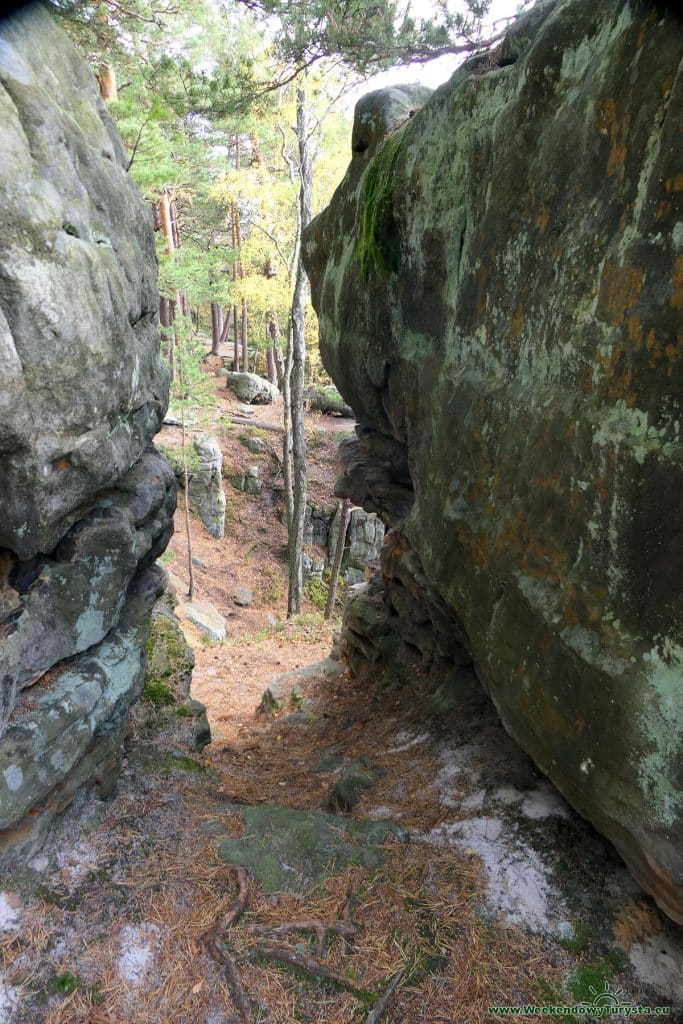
x=65 y=984
x=317 y=591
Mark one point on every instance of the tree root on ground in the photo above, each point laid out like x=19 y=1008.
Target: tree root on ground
x=214 y=940
x=383 y=1001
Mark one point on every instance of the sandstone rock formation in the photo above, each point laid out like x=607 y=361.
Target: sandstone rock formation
x=205 y=482
x=86 y=504
x=362 y=546
x=499 y=285
x=250 y=388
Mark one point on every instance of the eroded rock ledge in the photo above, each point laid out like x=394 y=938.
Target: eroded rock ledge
x=498 y=281
x=86 y=503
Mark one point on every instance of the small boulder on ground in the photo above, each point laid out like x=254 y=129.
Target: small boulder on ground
x=349 y=788
x=327 y=401
x=251 y=388
x=207 y=618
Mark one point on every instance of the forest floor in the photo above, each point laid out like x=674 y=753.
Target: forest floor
x=459 y=881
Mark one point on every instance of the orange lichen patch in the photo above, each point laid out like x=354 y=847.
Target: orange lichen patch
x=543 y=218
x=635 y=328
x=645 y=28
x=619 y=290
x=63 y=463
x=517 y=322
x=677 y=284
x=610 y=124
x=635 y=922
x=674 y=184
x=663 y=210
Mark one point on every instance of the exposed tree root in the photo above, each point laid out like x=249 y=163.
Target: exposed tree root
x=383 y=1001
x=219 y=951
x=346 y=928
x=282 y=955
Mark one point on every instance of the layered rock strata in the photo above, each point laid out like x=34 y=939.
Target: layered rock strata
x=499 y=285
x=86 y=503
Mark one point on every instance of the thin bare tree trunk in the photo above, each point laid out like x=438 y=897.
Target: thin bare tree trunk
x=238 y=242
x=166 y=221
x=186 y=481
x=245 y=347
x=297 y=339
x=344 y=516
x=235 y=316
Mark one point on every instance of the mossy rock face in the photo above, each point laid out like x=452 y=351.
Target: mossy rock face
x=292 y=851
x=513 y=358
x=170 y=659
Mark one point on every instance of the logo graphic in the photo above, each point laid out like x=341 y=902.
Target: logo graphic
x=607 y=998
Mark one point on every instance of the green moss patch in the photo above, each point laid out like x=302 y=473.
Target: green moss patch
x=292 y=851
x=158 y=693
x=379 y=247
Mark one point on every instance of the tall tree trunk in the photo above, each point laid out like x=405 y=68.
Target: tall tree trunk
x=344 y=516
x=106 y=79
x=225 y=330
x=186 y=482
x=167 y=221
x=164 y=311
x=217 y=330
x=235 y=315
x=271 y=369
x=243 y=333
x=173 y=212
x=245 y=347
x=297 y=343
x=214 y=330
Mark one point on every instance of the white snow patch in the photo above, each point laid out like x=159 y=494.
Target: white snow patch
x=9 y=1002
x=476 y=801
x=454 y=761
x=40 y=863
x=507 y=795
x=517 y=882
x=9 y=913
x=407 y=740
x=658 y=961
x=77 y=861
x=544 y=802
x=137 y=954
x=377 y=813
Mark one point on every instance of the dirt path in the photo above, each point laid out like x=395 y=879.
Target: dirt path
x=479 y=888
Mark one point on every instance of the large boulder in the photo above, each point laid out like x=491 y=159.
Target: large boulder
x=499 y=287
x=83 y=387
x=251 y=388
x=86 y=503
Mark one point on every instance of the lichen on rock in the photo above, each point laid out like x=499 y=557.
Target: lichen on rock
x=501 y=308
x=86 y=502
